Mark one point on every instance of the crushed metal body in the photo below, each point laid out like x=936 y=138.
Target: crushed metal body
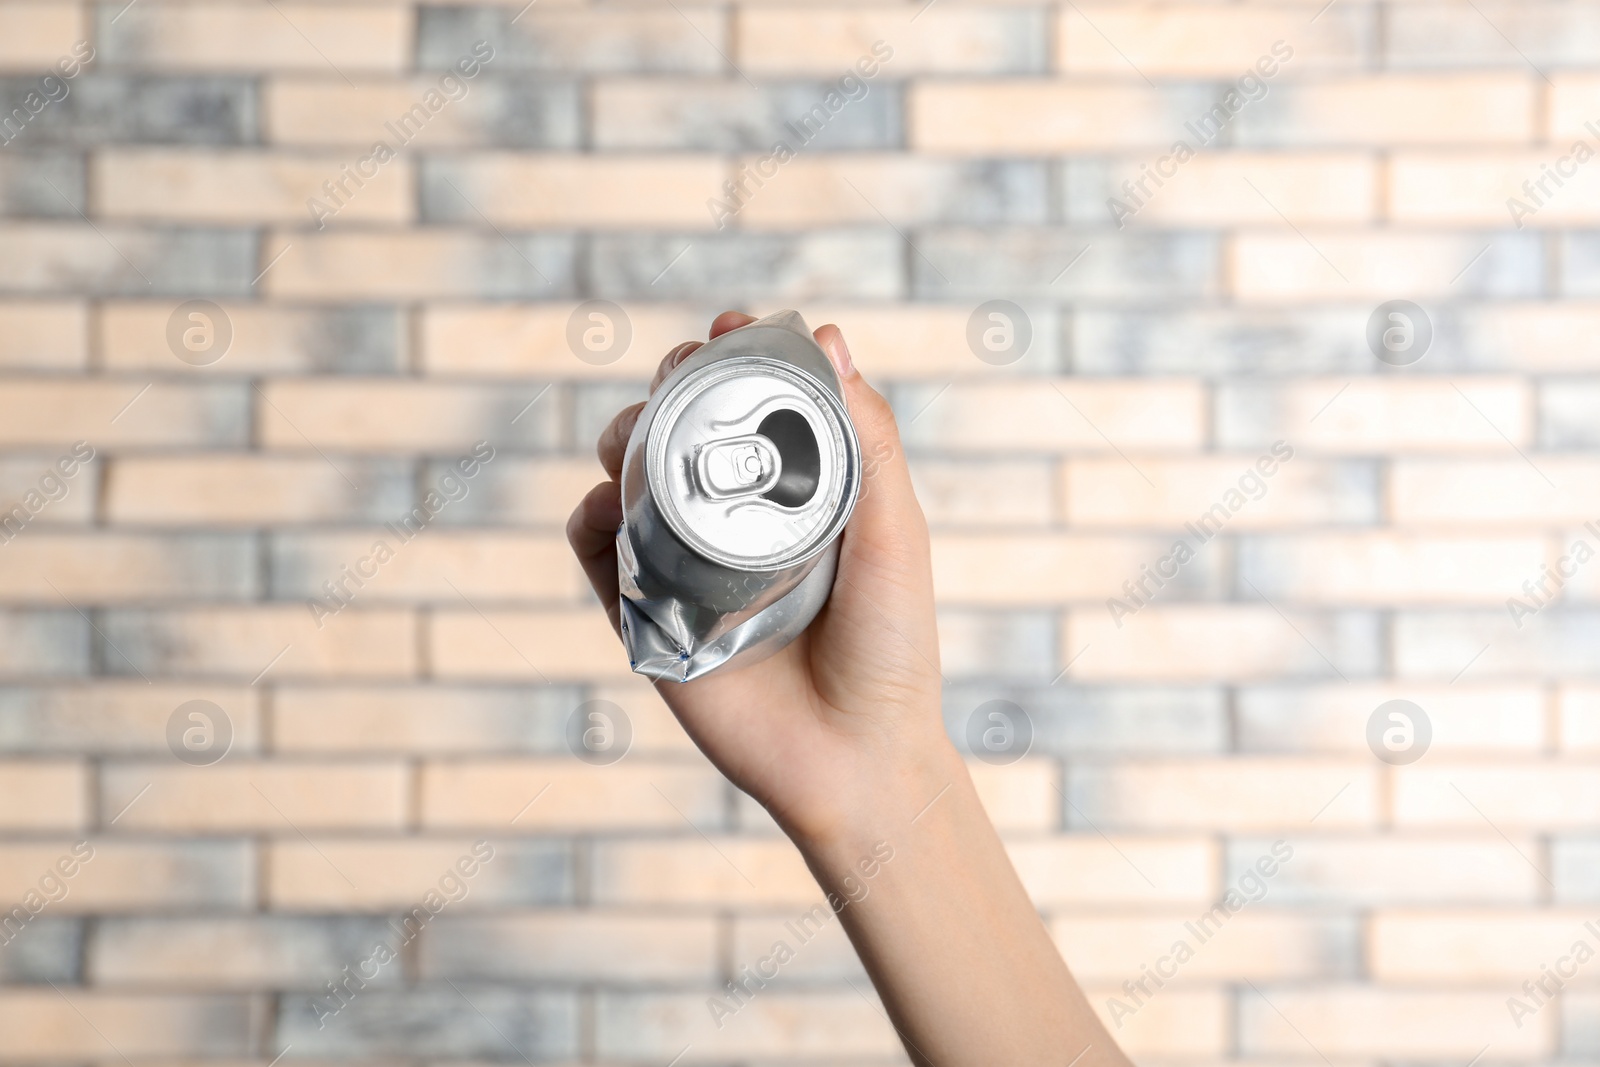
x=737 y=482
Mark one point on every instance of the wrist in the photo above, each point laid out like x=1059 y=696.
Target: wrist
x=886 y=798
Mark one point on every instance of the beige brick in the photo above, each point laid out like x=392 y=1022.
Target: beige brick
x=1351 y=1020
x=1302 y=491
x=80 y=1024
x=234 y=953
x=423 y=264
x=249 y=490
x=34 y=35
x=289 y=36
x=122 y=876
x=1474 y=947
x=1493 y=492
x=326 y=874
x=1040 y=118
x=1215 y=189
x=1260 y=944
x=436 y=565
x=110 y=568
x=1580 y=718
x=720 y=872
x=1376 y=415
x=246 y=187
x=1176 y=1022
x=533 y=492
x=1403 y=109
x=59 y=412
x=852 y=189
x=1039 y=416
x=115 y=717
x=528 y=645
x=1324 y=264
x=1196 y=643
x=822 y=951
x=1209 y=39
x=1526 y=795
x=266 y=339
x=43 y=795
x=927 y=341
x=1457 y=868
x=1016 y=569
x=829 y=41
x=1574 y=102
x=1467 y=189
x=50 y=335
x=324 y=110
x=530 y=340
x=1240 y=794
x=235 y=795
x=588 y=945
x=632 y=793
x=999 y=493
x=1087 y=869
x=1485 y=718
x=606 y=192
x=267 y=641
x=389 y=416
x=409 y=718
x=1382 y=568
x=824 y=1024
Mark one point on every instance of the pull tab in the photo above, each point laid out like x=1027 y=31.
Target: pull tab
x=738 y=466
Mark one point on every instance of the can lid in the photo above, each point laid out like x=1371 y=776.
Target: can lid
x=753 y=463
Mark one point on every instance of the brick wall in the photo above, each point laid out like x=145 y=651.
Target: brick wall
x=192 y=876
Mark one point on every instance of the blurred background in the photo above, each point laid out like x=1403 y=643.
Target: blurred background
x=271 y=269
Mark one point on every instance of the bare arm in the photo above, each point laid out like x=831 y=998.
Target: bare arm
x=839 y=735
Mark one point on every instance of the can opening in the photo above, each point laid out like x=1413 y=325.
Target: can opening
x=802 y=459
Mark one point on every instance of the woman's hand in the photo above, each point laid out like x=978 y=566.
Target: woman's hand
x=839 y=735
x=813 y=731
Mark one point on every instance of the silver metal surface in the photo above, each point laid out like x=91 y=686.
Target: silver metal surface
x=737 y=482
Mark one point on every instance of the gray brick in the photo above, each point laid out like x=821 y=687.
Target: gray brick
x=140 y=109
x=1204 y=341
x=498 y=1025
x=43 y=643
x=1580 y=264
x=586 y=945
x=20 y=474
x=730 y=115
x=45 y=950
x=1569 y=413
x=428 y=719
x=786 y=268
x=529 y=112
x=125 y=260
x=1557 y=642
x=1072 y=720
x=631 y=40
x=349 y=340
x=255 y=952
x=1017 y=264
x=197 y=566
x=111 y=717
x=1575 y=869
x=1547 y=34
x=998 y=644
x=44 y=184
x=1579 y=1025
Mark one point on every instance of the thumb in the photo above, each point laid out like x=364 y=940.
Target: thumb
x=887 y=529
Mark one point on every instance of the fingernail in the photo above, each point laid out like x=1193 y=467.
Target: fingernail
x=839 y=352
x=683 y=351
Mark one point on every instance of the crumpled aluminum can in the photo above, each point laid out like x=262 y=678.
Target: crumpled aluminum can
x=737 y=483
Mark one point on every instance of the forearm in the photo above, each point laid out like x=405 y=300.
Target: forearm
x=965 y=968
